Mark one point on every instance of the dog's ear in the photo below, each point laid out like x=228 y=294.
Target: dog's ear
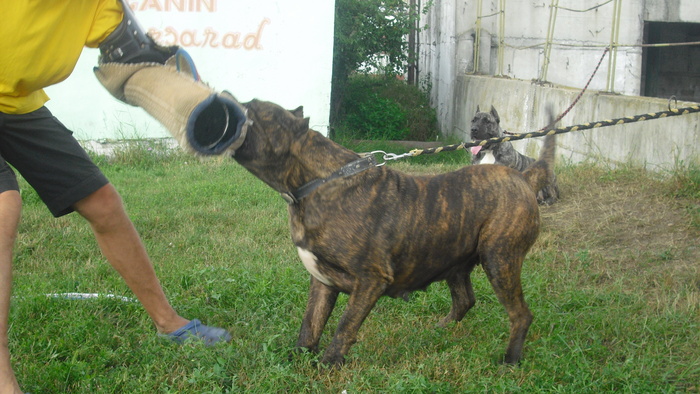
x=298 y=112
x=301 y=125
x=495 y=114
x=477 y=109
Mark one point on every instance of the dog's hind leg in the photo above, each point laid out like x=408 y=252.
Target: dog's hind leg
x=462 y=293
x=504 y=274
x=318 y=309
x=364 y=296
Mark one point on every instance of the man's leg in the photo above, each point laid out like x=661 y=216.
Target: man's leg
x=10 y=208
x=122 y=247
x=66 y=179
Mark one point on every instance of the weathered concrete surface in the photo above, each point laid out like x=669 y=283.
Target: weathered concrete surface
x=654 y=144
x=449 y=70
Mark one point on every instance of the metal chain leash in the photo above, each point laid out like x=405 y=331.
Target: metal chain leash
x=546 y=130
x=560 y=130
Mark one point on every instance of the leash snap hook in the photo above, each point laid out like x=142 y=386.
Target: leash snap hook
x=376 y=152
x=389 y=156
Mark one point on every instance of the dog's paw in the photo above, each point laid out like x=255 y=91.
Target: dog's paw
x=332 y=362
x=445 y=321
x=510 y=360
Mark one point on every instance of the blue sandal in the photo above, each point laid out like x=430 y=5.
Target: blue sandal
x=195 y=329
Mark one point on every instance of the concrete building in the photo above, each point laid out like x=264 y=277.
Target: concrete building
x=521 y=55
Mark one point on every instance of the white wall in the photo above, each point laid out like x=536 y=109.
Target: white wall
x=275 y=50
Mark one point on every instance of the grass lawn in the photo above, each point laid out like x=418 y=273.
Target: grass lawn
x=613 y=282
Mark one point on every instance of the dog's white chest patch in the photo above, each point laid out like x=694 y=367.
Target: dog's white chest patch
x=311 y=264
x=488 y=158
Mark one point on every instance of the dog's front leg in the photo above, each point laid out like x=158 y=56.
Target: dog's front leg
x=362 y=299
x=318 y=308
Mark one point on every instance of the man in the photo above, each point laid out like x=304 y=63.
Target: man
x=40 y=44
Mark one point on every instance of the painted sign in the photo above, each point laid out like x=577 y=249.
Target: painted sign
x=274 y=50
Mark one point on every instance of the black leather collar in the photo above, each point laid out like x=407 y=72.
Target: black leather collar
x=352 y=168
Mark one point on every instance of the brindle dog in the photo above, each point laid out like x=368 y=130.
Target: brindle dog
x=371 y=231
x=487 y=125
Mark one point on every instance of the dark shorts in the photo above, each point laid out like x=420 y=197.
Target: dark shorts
x=45 y=153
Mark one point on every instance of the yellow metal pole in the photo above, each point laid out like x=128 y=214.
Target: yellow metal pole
x=477 y=36
x=553 y=8
x=501 y=35
x=614 y=37
x=617 y=36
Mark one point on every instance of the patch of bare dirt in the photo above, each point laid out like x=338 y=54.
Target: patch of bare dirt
x=624 y=225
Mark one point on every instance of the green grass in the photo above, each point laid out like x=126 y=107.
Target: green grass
x=221 y=247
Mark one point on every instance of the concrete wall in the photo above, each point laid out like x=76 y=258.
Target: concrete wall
x=447 y=66
x=654 y=144
x=672 y=11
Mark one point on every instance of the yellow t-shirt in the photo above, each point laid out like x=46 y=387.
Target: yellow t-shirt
x=41 y=41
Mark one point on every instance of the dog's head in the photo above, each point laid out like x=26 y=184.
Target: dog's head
x=281 y=150
x=272 y=141
x=486 y=125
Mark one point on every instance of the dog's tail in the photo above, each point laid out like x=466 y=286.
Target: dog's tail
x=541 y=172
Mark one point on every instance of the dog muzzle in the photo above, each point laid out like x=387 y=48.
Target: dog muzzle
x=165 y=83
